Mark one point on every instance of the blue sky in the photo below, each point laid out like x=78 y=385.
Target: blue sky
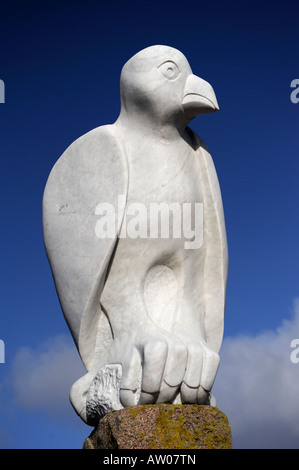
x=61 y=62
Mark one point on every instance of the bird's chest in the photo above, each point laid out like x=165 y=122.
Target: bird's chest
x=165 y=195
x=164 y=174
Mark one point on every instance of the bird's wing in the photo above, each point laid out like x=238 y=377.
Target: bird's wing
x=92 y=171
x=216 y=258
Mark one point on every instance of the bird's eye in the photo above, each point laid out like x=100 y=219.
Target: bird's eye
x=169 y=70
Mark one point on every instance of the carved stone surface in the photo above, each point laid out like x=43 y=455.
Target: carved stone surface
x=103 y=393
x=162 y=427
x=135 y=235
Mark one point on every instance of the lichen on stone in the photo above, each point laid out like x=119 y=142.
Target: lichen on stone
x=162 y=426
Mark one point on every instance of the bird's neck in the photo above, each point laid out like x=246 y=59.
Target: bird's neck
x=166 y=132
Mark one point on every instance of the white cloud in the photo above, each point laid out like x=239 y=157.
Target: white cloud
x=258 y=387
x=42 y=377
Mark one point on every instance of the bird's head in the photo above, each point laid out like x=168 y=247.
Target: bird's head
x=158 y=83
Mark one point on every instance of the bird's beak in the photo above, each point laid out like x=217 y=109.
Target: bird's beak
x=199 y=97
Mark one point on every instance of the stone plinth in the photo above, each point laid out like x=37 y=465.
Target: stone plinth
x=162 y=426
